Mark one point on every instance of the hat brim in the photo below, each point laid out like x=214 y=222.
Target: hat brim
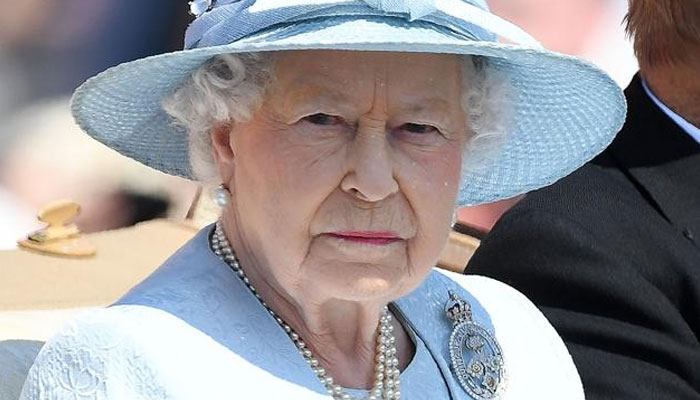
x=566 y=110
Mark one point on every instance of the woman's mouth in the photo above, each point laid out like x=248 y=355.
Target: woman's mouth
x=368 y=237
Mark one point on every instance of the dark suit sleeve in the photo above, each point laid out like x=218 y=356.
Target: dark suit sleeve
x=624 y=335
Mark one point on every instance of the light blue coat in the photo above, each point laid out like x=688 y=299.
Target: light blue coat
x=194 y=330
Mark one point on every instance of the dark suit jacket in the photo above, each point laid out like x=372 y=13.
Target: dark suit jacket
x=611 y=255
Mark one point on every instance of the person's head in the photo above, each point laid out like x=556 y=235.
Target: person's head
x=665 y=31
x=318 y=146
x=347 y=131
x=667 y=43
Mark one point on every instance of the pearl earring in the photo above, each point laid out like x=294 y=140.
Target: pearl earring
x=221 y=195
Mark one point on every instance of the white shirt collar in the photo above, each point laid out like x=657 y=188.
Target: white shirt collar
x=689 y=128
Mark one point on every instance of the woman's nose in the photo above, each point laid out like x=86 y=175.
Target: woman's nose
x=370 y=175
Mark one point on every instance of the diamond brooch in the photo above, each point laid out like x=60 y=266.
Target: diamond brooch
x=477 y=359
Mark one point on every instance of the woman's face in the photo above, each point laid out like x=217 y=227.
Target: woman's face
x=344 y=182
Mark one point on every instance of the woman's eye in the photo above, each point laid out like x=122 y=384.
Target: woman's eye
x=323 y=119
x=419 y=128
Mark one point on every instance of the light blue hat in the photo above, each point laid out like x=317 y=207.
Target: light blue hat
x=566 y=110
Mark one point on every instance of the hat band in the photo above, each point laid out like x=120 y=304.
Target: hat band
x=413 y=8
x=228 y=23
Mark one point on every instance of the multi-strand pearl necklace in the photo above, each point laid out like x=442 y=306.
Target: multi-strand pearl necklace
x=386 y=368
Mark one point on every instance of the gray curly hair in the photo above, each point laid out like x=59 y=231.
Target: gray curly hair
x=229 y=88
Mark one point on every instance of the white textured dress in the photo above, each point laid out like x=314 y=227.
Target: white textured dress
x=193 y=330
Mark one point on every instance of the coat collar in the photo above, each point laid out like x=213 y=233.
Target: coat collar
x=662 y=160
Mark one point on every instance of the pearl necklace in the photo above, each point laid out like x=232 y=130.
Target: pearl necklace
x=386 y=367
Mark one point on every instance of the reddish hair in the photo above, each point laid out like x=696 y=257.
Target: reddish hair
x=664 y=31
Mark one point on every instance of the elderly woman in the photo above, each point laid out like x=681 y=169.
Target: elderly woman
x=342 y=134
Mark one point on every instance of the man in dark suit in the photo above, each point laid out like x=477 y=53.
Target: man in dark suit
x=611 y=254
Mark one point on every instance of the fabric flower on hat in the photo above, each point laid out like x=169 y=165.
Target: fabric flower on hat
x=199 y=7
x=414 y=8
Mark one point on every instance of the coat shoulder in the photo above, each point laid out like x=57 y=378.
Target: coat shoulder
x=538 y=364
x=133 y=351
